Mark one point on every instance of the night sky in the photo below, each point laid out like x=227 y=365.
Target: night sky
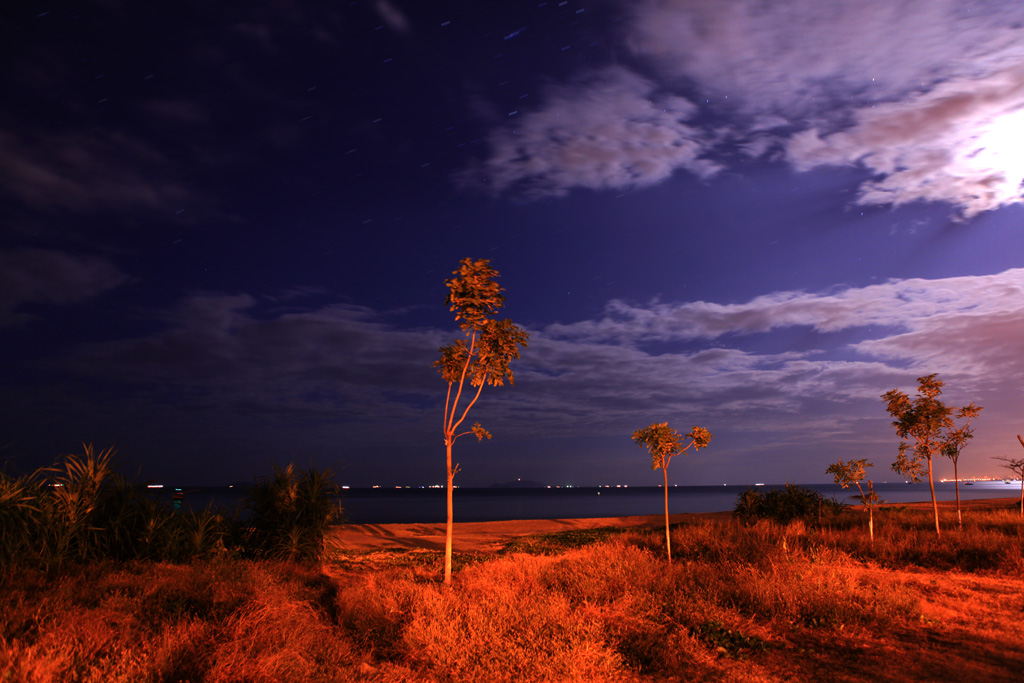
x=226 y=229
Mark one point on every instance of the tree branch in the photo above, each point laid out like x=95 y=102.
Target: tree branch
x=483 y=380
x=449 y=427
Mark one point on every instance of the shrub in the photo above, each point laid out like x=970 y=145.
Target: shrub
x=289 y=513
x=19 y=510
x=785 y=505
x=81 y=510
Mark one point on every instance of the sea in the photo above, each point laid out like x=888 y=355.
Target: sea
x=427 y=505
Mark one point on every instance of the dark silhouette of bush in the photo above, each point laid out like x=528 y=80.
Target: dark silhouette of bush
x=785 y=505
x=81 y=510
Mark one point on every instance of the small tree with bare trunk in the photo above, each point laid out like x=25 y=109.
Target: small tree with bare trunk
x=664 y=443
x=482 y=357
x=928 y=423
x=1016 y=465
x=956 y=441
x=853 y=472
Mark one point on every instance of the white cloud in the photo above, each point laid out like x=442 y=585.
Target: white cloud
x=609 y=130
x=972 y=324
x=962 y=142
x=799 y=56
x=927 y=94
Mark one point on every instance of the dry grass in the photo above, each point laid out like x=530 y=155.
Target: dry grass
x=231 y=621
x=739 y=603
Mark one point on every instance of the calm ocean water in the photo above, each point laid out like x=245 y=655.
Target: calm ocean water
x=415 y=505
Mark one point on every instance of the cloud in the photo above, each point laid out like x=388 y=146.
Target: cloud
x=155 y=141
x=41 y=276
x=75 y=172
x=897 y=302
x=960 y=142
x=927 y=96
x=392 y=16
x=802 y=57
x=319 y=376
x=223 y=350
x=610 y=129
x=360 y=366
x=970 y=325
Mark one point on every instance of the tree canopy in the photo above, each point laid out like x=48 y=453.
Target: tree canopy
x=926 y=429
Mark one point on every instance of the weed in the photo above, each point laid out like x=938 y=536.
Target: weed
x=559 y=541
x=731 y=642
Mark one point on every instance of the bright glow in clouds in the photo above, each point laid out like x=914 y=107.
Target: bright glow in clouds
x=1001 y=147
x=962 y=142
x=925 y=94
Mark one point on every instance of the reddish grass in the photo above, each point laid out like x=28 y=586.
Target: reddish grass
x=758 y=603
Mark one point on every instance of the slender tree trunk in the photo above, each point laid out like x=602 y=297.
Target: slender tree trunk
x=956 y=483
x=1021 y=483
x=668 y=536
x=448 y=527
x=935 y=505
x=871 y=523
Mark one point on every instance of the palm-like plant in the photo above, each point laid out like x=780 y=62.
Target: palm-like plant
x=289 y=513
x=19 y=511
x=68 y=509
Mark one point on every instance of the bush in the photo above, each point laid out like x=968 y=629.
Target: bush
x=81 y=510
x=290 y=512
x=786 y=505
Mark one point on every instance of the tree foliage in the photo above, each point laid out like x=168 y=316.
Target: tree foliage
x=664 y=443
x=483 y=356
x=926 y=429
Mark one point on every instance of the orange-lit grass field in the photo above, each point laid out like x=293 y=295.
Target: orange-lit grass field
x=757 y=603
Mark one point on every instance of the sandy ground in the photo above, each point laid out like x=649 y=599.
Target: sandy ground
x=492 y=536
x=481 y=536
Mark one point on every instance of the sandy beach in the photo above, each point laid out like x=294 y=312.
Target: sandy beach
x=492 y=536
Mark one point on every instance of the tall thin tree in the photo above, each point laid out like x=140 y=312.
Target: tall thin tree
x=955 y=443
x=482 y=356
x=928 y=423
x=663 y=443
